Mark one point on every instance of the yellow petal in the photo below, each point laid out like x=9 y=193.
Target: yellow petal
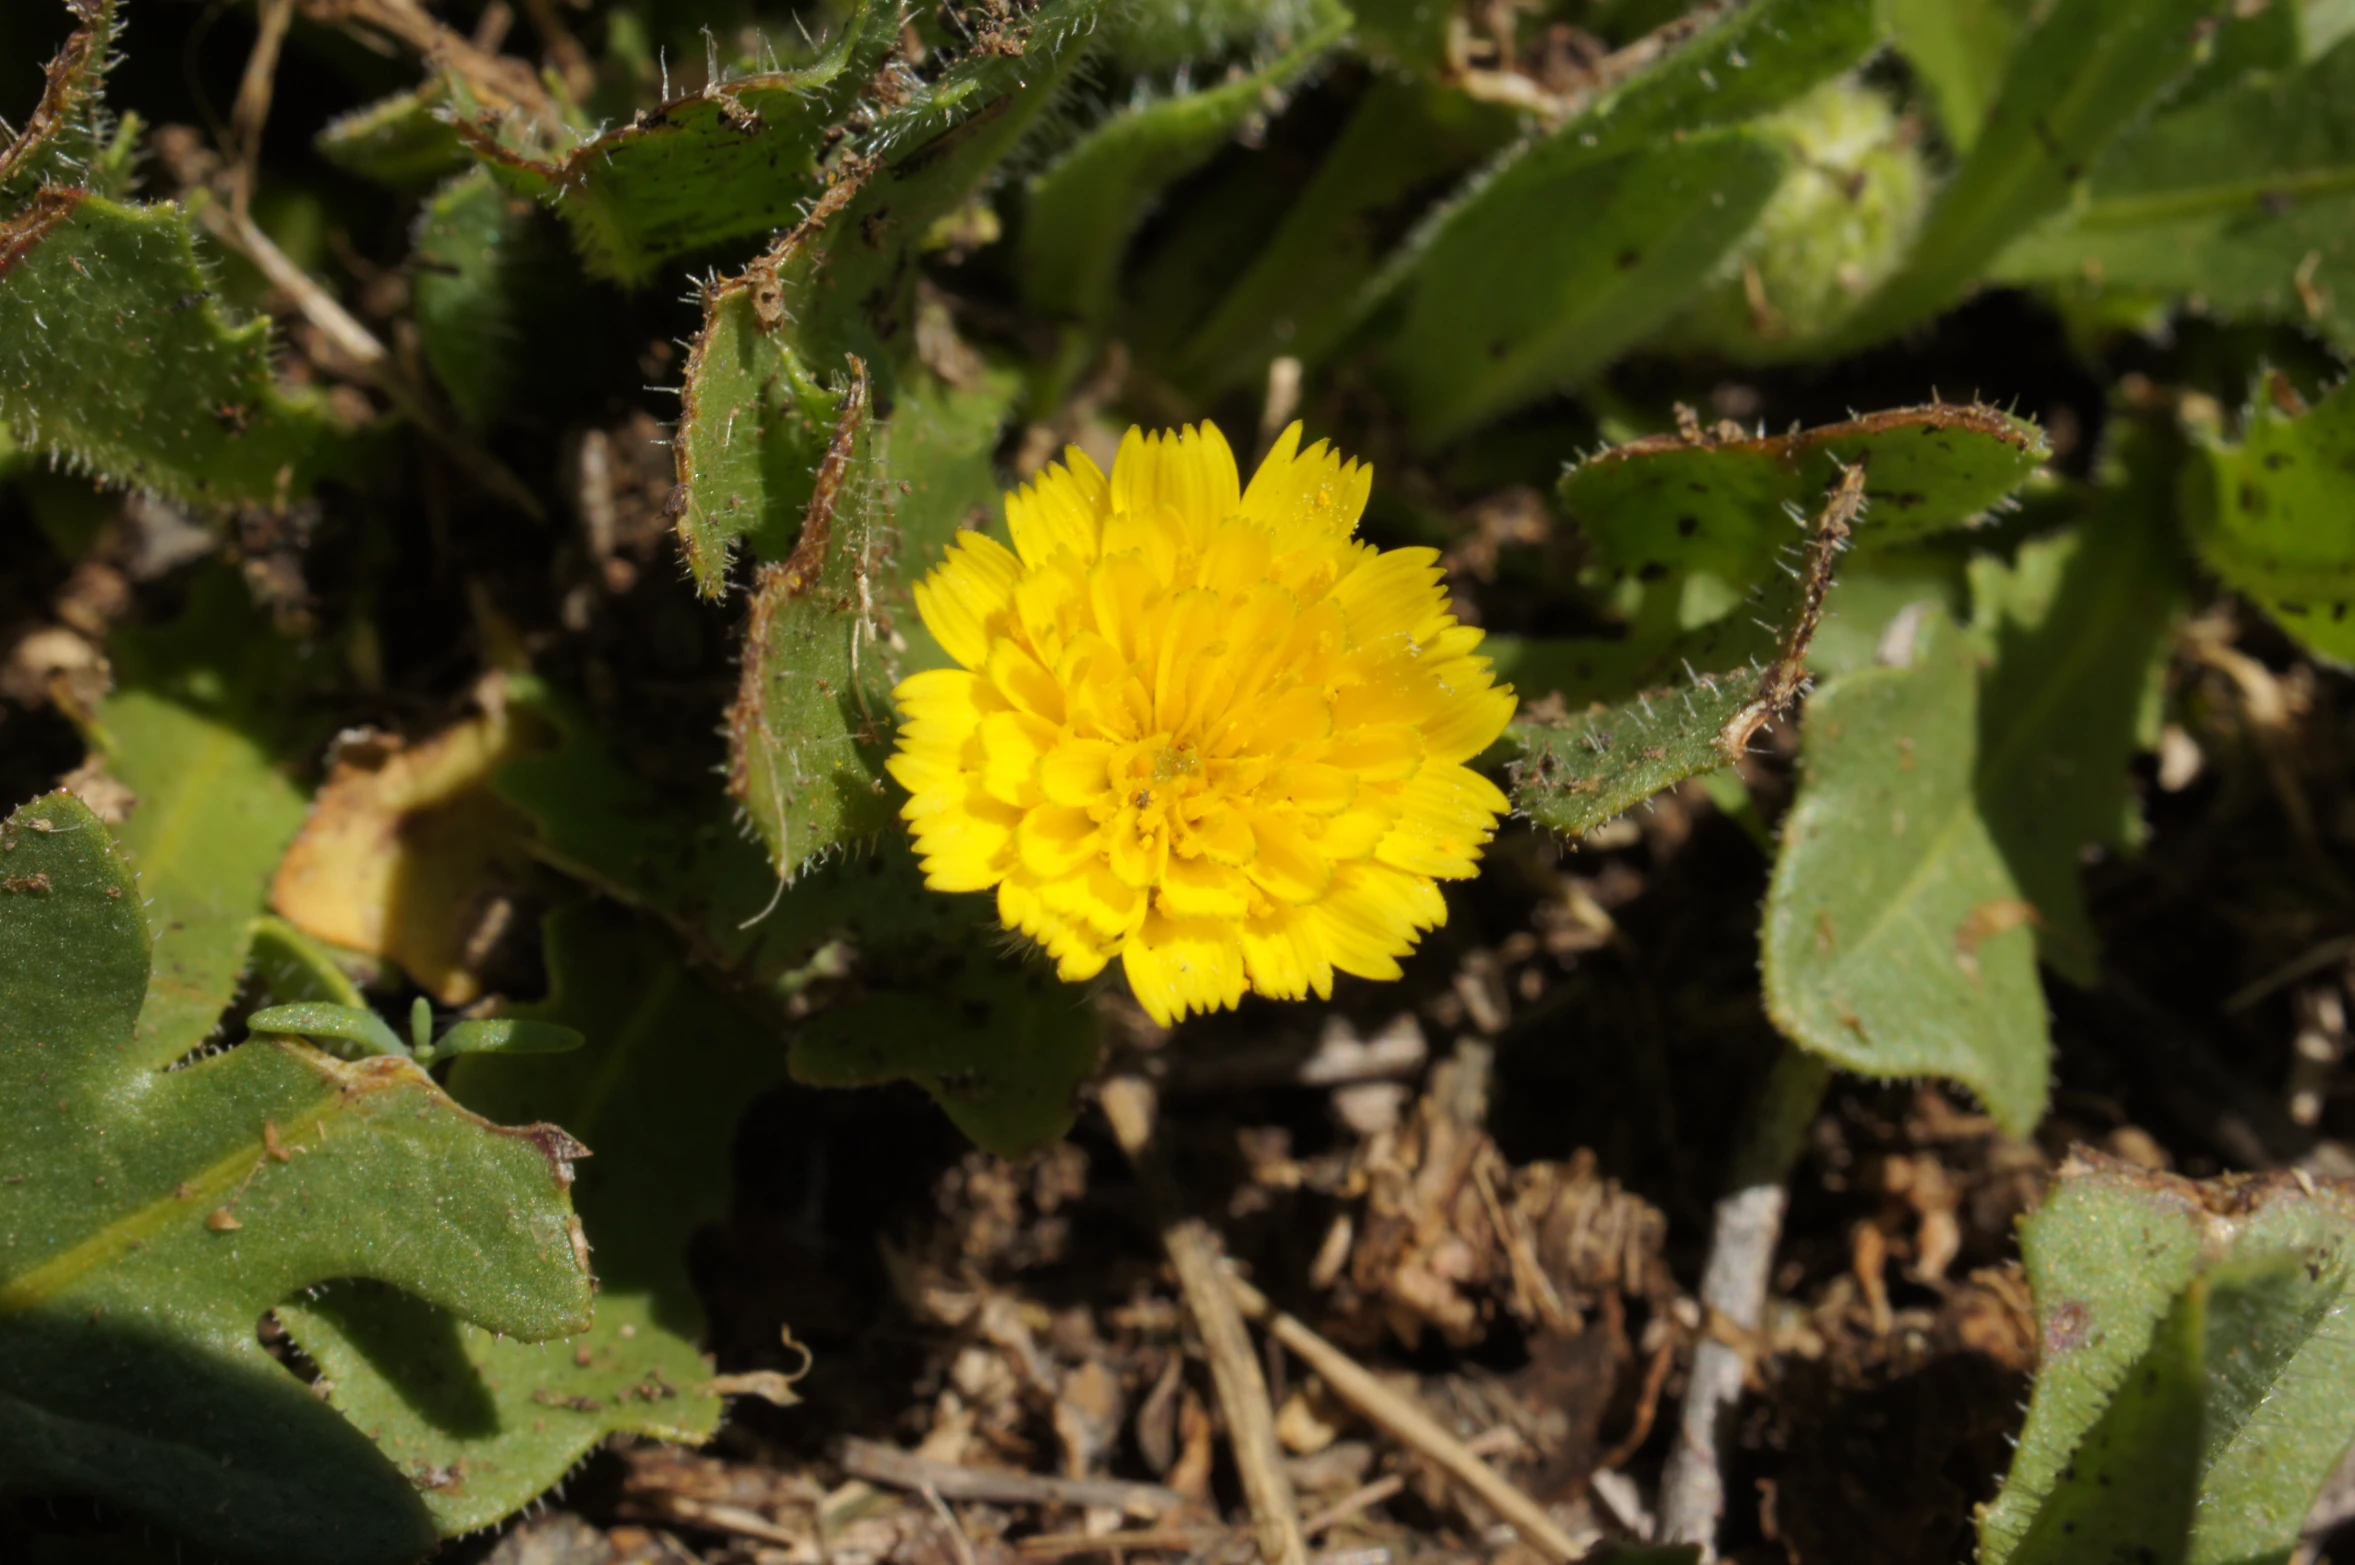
x=1191 y=471
x=1202 y=888
x=1091 y=896
x=1378 y=752
x=968 y=849
x=1012 y=745
x=1179 y=965
x=1280 y=962
x=1056 y=841
x=1076 y=772
x=964 y=594
x=1062 y=511
x=1395 y=596
x=1224 y=837
x=1321 y=789
x=1287 y=865
x=1051 y=604
x=1136 y=854
x=1121 y=587
x=1237 y=558
x=1312 y=492
x=1024 y=681
x=1447 y=813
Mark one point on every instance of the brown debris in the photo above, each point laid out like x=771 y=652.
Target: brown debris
x=409 y=855
x=1448 y=1235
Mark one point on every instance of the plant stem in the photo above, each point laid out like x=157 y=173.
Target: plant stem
x=1749 y=1219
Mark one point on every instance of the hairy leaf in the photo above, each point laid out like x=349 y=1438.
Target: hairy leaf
x=69 y=131
x=1002 y=1058
x=1896 y=936
x=2078 y=628
x=1300 y=293
x=2087 y=72
x=755 y=423
x=741 y=157
x=1002 y=1046
x=203 y=715
x=1959 y=49
x=2246 y=199
x=2195 y=1389
x=169 y=1209
x=813 y=718
x=668 y=1068
x=1573 y=775
x=115 y=357
x=1084 y=208
x=405 y=141
x=2275 y=518
x=1586 y=240
x=845 y=279
x=1557 y=264
x=1673 y=504
x=470 y=262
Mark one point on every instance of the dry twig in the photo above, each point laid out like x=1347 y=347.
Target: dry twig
x=1175 y=1540
x=356 y=342
x=251 y=111
x=496 y=79
x=1234 y=1369
x=1408 y=1424
x=882 y=1464
x=1749 y=1220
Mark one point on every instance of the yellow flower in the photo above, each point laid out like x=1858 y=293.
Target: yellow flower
x=1198 y=727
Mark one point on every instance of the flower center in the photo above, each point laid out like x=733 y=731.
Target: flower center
x=1175 y=762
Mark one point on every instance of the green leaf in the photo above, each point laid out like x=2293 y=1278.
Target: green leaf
x=813 y=719
x=2078 y=81
x=2245 y=199
x=1143 y=39
x=1085 y=207
x=1300 y=293
x=203 y=710
x=740 y=158
x=470 y=261
x=1003 y=1057
x=1877 y=583
x=2079 y=629
x=2194 y=1391
x=404 y=141
x=1571 y=776
x=506 y=1035
x=1587 y=240
x=1959 y=50
x=2274 y=517
x=116 y=358
x=687 y=863
x=1002 y=1046
x=1841 y=223
x=292 y=967
x=1668 y=504
x=1749 y=62
x=845 y=278
x=668 y=1068
x=368 y=1033
x=939 y=456
x=755 y=423
x=1559 y=262
x=1896 y=939
x=69 y=133
x=169 y=1209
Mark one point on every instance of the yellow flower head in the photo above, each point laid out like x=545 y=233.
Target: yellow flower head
x=1198 y=727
